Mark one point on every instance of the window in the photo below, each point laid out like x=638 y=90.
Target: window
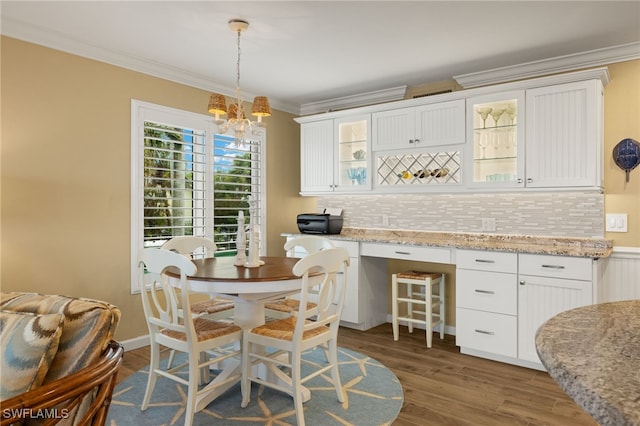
x=188 y=180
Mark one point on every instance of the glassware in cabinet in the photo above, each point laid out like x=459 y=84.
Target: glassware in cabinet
x=353 y=152
x=496 y=128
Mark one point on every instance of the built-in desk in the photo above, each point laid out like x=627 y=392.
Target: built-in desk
x=568 y=270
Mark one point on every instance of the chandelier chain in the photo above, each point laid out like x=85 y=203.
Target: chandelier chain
x=238 y=73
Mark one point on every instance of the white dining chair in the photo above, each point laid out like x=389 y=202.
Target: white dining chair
x=214 y=307
x=200 y=247
x=296 y=247
x=183 y=333
x=310 y=327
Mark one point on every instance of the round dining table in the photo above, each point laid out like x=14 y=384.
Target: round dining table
x=593 y=353
x=249 y=288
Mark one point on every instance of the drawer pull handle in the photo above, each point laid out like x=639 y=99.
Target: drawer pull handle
x=553 y=266
x=403 y=252
x=485 y=291
x=490 y=333
x=485 y=261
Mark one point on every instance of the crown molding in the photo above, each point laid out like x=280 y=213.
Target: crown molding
x=592 y=58
x=54 y=40
x=362 y=99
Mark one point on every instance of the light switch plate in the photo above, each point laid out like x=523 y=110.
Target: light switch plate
x=616 y=222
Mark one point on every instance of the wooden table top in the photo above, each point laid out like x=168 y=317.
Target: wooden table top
x=223 y=269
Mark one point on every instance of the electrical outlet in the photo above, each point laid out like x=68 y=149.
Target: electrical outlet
x=489 y=224
x=616 y=222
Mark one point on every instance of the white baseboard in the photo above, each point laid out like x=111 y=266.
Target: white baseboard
x=135 y=343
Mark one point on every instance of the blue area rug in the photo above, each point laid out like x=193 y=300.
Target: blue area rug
x=373 y=396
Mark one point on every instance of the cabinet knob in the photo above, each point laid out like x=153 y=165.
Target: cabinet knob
x=519 y=180
x=411 y=140
x=522 y=282
x=529 y=180
x=417 y=140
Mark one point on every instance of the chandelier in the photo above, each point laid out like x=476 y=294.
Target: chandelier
x=236 y=117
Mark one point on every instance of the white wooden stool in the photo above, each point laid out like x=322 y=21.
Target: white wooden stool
x=419 y=291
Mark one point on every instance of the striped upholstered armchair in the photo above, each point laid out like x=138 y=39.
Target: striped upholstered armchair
x=59 y=360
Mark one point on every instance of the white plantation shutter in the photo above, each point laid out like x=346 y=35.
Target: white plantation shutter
x=237 y=175
x=189 y=180
x=174 y=184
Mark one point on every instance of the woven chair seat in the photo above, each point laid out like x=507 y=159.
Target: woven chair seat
x=288 y=306
x=211 y=306
x=205 y=330
x=283 y=329
x=418 y=275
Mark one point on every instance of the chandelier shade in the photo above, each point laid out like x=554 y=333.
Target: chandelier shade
x=236 y=116
x=217 y=105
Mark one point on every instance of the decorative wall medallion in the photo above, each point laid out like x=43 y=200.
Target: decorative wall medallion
x=626 y=154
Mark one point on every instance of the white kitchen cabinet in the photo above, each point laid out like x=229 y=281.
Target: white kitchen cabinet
x=335 y=155
x=549 y=285
x=355 y=308
x=503 y=298
x=422 y=126
x=540 y=133
x=486 y=302
x=565 y=135
x=316 y=157
x=495 y=147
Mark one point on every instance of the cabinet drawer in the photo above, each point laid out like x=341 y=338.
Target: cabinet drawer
x=398 y=251
x=352 y=247
x=487 y=332
x=482 y=260
x=574 y=268
x=487 y=291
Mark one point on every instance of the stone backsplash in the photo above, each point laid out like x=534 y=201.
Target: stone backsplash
x=562 y=214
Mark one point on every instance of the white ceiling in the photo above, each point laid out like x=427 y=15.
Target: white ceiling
x=301 y=52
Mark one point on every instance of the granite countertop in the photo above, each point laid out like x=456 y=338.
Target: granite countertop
x=578 y=247
x=593 y=353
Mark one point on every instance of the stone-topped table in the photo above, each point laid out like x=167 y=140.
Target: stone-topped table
x=593 y=353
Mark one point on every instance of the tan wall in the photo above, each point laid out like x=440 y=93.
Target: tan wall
x=66 y=174
x=621 y=121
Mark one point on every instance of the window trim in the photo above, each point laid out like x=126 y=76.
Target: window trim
x=142 y=111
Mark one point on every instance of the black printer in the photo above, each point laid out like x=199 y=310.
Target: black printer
x=319 y=223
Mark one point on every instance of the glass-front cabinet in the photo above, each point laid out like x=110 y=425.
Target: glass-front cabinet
x=335 y=155
x=353 y=153
x=496 y=140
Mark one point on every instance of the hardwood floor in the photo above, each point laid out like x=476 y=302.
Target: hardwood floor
x=443 y=387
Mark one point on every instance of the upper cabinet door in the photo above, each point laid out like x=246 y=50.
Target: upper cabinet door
x=440 y=124
x=393 y=129
x=495 y=147
x=316 y=157
x=353 y=153
x=423 y=126
x=565 y=135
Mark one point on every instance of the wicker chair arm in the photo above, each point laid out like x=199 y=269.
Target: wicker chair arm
x=54 y=400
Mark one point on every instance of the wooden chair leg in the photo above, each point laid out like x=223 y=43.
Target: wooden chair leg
x=245 y=382
x=409 y=288
x=442 y=307
x=428 y=297
x=394 y=306
x=154 y=364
